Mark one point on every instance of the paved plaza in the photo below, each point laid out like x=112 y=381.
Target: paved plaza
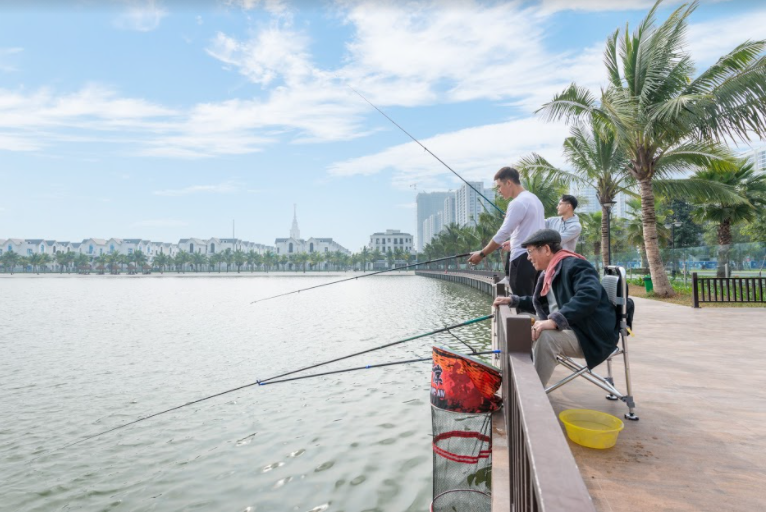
x=699 y=378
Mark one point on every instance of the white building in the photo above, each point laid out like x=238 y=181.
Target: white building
x=295 y=244
x=757 y=156
x=469 y=204
x=449 y=215
x=391 y=240
x=587 y=201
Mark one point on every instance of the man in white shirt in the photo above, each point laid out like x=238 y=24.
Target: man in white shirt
x=525 y=216
x=568 y=224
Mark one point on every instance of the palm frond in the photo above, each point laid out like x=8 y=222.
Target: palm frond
x=698 y=190
x=572 y=103
x=691 y=156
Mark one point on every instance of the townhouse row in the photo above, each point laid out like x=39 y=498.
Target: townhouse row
x=99 y=246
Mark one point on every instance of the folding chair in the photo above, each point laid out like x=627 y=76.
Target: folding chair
x=616 y=287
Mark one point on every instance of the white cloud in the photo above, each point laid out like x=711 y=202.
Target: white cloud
x=551 y=6
x=227 y=187
x=141 y=15
x=6 y=55
x=474 y=153
x=159 y=223
x=713 y=39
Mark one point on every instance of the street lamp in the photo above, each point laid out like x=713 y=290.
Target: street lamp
x=608 y=205
x=672 y=225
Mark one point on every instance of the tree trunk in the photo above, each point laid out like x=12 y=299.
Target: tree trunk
x=644 y=261
x=605 y=218
x=724 y=243
x=660 y=279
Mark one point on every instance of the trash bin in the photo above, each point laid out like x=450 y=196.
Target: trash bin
x=648 y=284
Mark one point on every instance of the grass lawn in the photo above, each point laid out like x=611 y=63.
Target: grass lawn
x=684 y=298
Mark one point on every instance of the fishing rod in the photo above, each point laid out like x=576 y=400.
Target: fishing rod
x=363 y=275
x=264 y=381
x=369 y=366
x=427 y=150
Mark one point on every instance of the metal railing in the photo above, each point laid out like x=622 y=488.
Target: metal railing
x=543 y=475
x=727 y=289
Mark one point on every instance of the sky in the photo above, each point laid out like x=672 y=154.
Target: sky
x=169 y=119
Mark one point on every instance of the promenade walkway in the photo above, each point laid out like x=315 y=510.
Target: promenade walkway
x=699 y=380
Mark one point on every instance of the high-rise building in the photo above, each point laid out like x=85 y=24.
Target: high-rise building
x=448 y=213
x=757 y=156
x=587 y=201
x=428 y=203
x=469 y=204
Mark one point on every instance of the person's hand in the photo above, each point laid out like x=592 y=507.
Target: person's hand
x=475 y=258
x=541 y=326
x=506 y=246
x=499 y=301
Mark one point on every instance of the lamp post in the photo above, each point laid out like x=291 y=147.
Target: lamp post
x=608 y=207
x=672 y=226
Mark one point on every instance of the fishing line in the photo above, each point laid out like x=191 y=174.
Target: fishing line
x=364 y=275
x=264 y=381
x=473 y=350
x=427 y=150
x=367 y=367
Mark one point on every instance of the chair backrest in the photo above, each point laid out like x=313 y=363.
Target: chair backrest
x=611 y=285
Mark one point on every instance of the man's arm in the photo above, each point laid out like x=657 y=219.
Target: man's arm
x=571 y=231
x=511 y=221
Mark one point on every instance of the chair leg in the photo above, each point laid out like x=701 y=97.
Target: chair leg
x=628 y=399
x=610 y=379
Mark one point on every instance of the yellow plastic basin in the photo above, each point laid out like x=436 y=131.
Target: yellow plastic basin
x=593 y=429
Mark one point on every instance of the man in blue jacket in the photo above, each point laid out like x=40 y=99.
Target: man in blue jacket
x=574 y=315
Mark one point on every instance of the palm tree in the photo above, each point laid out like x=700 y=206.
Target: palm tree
x=61 y=260
x=10 y=259
x=239 y=258
x=591 y=234
x=215 y=260
x=250 y=258
x=161 y=260
x=227 y=257
x=198 y=259
x=315 y=259
x=665 y=120
x=269 y=260
x=301 y=259
x=283 y=260
x=139 y=258
x=750 y=185
x=82 y=262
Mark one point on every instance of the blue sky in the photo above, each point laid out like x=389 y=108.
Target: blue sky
x=164 y=120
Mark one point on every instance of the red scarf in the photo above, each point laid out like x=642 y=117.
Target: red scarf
x=550 y=271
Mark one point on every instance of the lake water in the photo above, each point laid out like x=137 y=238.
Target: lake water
x=82 y=354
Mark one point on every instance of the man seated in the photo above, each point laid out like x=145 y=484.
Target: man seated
x=574 y=315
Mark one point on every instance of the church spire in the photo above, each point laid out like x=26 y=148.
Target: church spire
x=295 y=233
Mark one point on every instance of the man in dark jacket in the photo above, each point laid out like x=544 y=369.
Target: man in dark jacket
x=574 y=315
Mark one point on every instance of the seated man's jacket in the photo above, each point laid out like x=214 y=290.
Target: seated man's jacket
x=584 y=307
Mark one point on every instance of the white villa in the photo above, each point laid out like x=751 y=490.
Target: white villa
x=295 y=244
x=94 y=247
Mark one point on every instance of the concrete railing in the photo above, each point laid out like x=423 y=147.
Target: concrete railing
x=542 y=473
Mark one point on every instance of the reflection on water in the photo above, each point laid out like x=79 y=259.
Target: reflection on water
x=85 y=354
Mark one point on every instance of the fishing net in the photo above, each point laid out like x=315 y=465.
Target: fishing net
x=462 y=401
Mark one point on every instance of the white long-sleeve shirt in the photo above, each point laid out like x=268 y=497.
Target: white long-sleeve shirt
x=525 y=215
x=570 y=230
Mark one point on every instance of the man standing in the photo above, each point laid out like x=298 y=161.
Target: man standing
x=575 y=316
x=568 y=224
x=525 y=215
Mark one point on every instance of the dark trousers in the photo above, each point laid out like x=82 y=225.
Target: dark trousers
x=522 y=277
